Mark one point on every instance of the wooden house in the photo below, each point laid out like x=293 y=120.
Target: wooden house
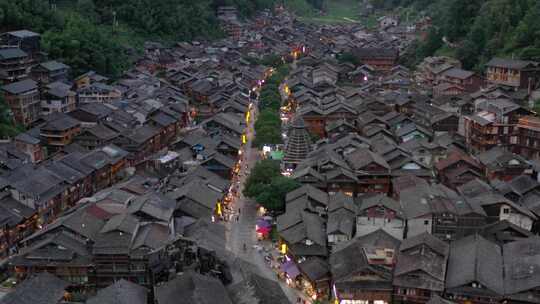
x=503 y=165
x=477 y=277
x=514 y=73
x=526 y=140
x=362 y=269
x=341 y=218
x=382 y=59
x=372 y=171
x=457 y=169
x=24 y=100
x=50 y=71
x=420 y=270
x=59 y=131
x=494 y=124
x=468 y=80
x=379 y=211
x=14 y=65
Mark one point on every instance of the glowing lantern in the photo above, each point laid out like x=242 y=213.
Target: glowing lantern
x=244 y=139
x=284 y=248
x=218 y=208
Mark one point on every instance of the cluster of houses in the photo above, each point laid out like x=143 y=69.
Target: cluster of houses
x=417 y=187
x=115 y=191
x=104 y=131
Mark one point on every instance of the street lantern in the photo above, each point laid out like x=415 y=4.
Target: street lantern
x=244 y=139
x=218 y=208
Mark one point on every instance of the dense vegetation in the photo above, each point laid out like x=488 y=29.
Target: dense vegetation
x=79 y=41
x=477 y=29
x=101 y=34
x=265 y=183
x=7 y=129
x=268 y=124
x=268 y=187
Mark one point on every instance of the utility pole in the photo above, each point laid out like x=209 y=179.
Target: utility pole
x=52 y=4
x=114 y=24
x=407 y=22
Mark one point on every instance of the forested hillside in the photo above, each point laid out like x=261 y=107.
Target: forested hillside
x=478 y=29
x=84 y=34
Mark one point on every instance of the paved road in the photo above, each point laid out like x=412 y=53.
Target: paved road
x=243 y=231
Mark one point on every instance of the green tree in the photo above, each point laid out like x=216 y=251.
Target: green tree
x=482 y=29
x=348 y=58
x=299 y=7
x=268 y=118
x=432 y=44
x=271 y=60
x=87 y=8
x=83 y=46
x=273 y=195
x=536 y=107
x=261 y=174
x=267 y=186
x=267 y=135
x=7 y=127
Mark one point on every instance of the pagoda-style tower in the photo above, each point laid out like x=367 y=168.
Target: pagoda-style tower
x=298 y=144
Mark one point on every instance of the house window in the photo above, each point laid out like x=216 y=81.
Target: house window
x=426 y=222
x=411 y=292
x=506 y=210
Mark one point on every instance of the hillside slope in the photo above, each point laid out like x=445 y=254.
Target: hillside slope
x=480 y=28
x=101 y=34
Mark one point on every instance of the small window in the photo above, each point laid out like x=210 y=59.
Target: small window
x=426 y=222
x=506 y=210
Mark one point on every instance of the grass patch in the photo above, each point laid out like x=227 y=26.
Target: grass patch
x=446 y=51
x=370 y=22
x=336 y=11
x=9 y=283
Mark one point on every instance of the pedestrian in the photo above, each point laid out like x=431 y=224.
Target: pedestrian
x=238 y=218
x=239 y=210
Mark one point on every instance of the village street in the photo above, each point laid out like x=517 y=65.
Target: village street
x=242 y=231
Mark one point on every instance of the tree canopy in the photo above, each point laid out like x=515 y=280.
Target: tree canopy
x=481 y=29
x=99 y=34
x=267 y=186
x=7 y=129
x=267 y=128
